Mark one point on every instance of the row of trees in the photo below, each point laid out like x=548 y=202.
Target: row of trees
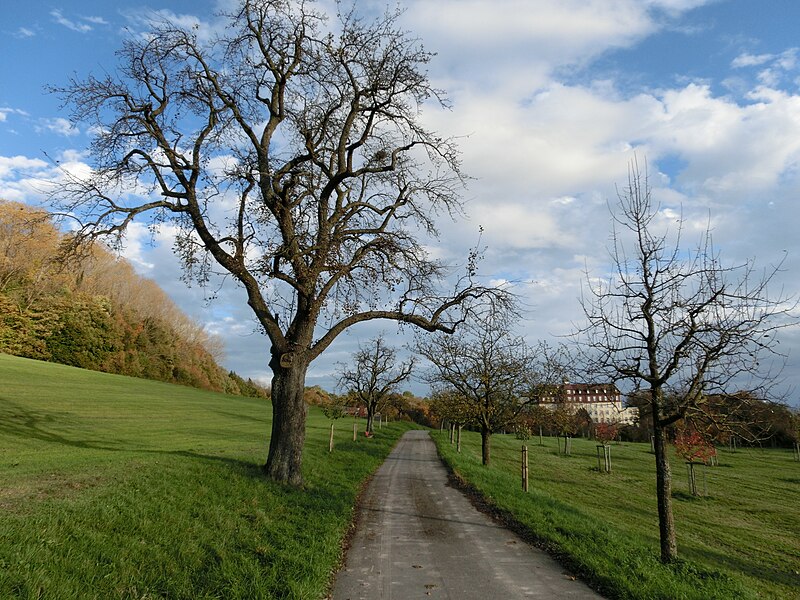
x=95 y=312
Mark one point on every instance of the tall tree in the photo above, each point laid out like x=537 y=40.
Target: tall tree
x=678 y=325
x=374 y=376
x=288 y=150
x=486 y=370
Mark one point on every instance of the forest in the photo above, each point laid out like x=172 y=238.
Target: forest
x=95 y=312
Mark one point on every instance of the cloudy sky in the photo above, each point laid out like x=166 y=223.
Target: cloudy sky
x=552 y=98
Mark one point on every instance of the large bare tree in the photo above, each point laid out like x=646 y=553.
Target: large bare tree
x=288 y=150
x=678 y=325
x=374 y=375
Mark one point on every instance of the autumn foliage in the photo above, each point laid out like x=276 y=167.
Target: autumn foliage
x=694 y=447
x=96 y=313
x=605 y=432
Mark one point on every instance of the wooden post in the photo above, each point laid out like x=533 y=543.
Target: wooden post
x=452 y=431
x=653 y=444
x=705 y=487
x=608 y=459
x=380 y=421
x=599 y=465
x=458 y=445
x=330 y=442
x=524 y=468
x=355 y=430
x=540 y=436
x=797 y=450
x=692 y=480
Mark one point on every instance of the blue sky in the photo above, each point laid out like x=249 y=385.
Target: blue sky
x=554 y=96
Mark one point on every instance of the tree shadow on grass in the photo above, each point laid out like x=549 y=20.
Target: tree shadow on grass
x=16 y=420
x=757 y=570
x=44 y=426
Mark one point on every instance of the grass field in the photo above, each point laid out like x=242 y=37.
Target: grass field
x=742 y=540
x=114 y=487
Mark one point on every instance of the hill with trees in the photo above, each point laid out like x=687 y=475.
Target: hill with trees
x=95 y=312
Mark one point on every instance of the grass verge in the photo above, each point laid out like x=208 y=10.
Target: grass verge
x=114 y=487
x=739 y=541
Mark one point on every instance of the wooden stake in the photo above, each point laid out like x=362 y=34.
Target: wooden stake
x=355 y=430
x=524 y=468
x=330 y=442
x=458 y=446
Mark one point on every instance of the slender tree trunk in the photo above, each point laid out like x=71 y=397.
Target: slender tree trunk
x=370 y=417
x=485 y=450
x=284 y=460
x=666 y=524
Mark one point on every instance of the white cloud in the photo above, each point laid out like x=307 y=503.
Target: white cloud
x=59 y=18
x=60 y=126
x=24 y=32
x=13 y=165
x=95 y=20
x=4 y=112
x=751 y=60
x=141 y=20
x=516 y=45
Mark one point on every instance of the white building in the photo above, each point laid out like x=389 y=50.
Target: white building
x=602 y=401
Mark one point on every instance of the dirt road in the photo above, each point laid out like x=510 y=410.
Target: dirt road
x=417 y=537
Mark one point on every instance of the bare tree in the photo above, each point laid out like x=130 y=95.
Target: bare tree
x=374 y=375
x=487 y=368
x=678 y=325
x=288 y=151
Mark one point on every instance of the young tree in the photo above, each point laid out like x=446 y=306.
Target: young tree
x=678 y=325
x=288 y=151
x=488 y=369
x=374 y=375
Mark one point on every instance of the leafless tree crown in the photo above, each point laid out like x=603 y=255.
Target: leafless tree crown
x=288 y=150
x=676 y=320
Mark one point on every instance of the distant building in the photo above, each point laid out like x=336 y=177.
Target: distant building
x=602 y=401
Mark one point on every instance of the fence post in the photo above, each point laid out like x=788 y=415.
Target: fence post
x=330 y=442
x=355 y=430
x=524 y=468
x=458 y=446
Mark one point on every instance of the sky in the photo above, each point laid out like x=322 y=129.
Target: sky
x=551 y=99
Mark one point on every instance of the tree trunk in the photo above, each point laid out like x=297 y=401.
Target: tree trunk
x=666 y=524
x=370 y=418
x=285 y=457
x=485 y=454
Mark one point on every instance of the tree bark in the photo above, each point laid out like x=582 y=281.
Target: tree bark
x=370 y=418
x=285 y=456
x=485 y=451
x=666 y=524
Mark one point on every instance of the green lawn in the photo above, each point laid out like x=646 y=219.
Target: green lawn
x=114 y=487
x=740 y=541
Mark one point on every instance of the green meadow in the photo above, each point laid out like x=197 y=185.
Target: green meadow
x=115 y=487
x=741 y=540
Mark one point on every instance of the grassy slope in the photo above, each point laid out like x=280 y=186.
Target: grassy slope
x=739 y=542
x=114 y=487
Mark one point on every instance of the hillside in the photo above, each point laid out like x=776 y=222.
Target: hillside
x=115 y=487
x=93 y=311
